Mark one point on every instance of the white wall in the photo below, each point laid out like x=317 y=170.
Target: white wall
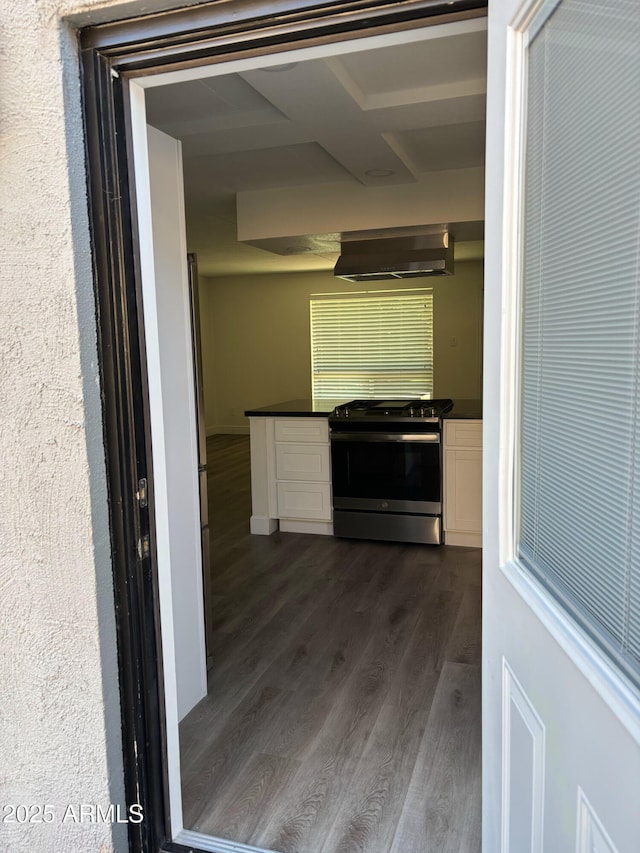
x=256 y=349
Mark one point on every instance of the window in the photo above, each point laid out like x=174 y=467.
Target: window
x=372 y=346
x=579 y=513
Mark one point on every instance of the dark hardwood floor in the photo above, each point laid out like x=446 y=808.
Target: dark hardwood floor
x=343 y=713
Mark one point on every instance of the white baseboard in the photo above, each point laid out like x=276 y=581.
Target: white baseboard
x=325 y=528
x=459 y=537
x=228 y=429
x=262 y=525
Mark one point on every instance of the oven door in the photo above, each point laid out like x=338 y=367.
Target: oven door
x=386 y=470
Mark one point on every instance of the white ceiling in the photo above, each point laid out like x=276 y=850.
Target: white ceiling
x=387 y=116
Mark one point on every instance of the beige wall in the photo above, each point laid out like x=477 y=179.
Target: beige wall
x=255 y=332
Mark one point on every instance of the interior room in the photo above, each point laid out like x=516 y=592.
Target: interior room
x=343 y=705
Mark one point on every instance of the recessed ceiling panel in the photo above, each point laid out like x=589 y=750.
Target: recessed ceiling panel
x=435 y=149
x=221 y=206
x=418 y=115
x=433 y=62
x=211 y=104
x=290 y=165
x=313 y=97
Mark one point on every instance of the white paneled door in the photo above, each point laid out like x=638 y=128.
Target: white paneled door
x=561 y=727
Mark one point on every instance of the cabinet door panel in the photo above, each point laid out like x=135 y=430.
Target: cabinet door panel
x=303 y=462
x=463 y=433
x=463 y=490
x=304 y=500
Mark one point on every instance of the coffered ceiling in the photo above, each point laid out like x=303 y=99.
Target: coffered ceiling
x=372 y=126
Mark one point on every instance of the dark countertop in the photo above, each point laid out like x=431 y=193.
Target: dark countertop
x=297 y=409
x=323 y=408
x=462 y=409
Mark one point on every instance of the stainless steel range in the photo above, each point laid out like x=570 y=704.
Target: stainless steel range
x=386 y=460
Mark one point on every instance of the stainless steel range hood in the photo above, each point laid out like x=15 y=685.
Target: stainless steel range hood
x=396 y=257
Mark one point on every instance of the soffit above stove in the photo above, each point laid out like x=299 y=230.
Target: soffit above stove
x=376 y=242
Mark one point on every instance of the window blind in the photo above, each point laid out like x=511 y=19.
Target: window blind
x=579 y=459
x=372 y=346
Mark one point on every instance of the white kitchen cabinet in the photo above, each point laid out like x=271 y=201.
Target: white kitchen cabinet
x=309 y=462
x=305 y=430
x=303 y=475
x=462 y=512
x=291 y=475
x=308 y=501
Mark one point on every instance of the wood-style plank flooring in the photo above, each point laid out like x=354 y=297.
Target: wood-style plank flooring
x=343 y=713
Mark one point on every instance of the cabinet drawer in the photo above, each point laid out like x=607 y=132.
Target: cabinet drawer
x=463 y=433
x=313 y=430
x=303 y=462
x=304 y=500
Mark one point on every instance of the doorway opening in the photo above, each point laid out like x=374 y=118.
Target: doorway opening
x=392 y=561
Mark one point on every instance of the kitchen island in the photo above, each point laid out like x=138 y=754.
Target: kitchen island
x=291 y=469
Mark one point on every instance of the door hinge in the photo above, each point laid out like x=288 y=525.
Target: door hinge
x=143 y=547
x=141 y=494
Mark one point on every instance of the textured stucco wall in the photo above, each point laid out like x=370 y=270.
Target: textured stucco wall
x=59 y=708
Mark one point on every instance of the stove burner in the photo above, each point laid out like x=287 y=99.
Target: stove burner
x=419 y=409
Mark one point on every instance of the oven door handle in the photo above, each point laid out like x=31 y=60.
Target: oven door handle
x=430 y=437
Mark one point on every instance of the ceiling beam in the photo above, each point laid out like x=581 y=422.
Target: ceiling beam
x=447 y=196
